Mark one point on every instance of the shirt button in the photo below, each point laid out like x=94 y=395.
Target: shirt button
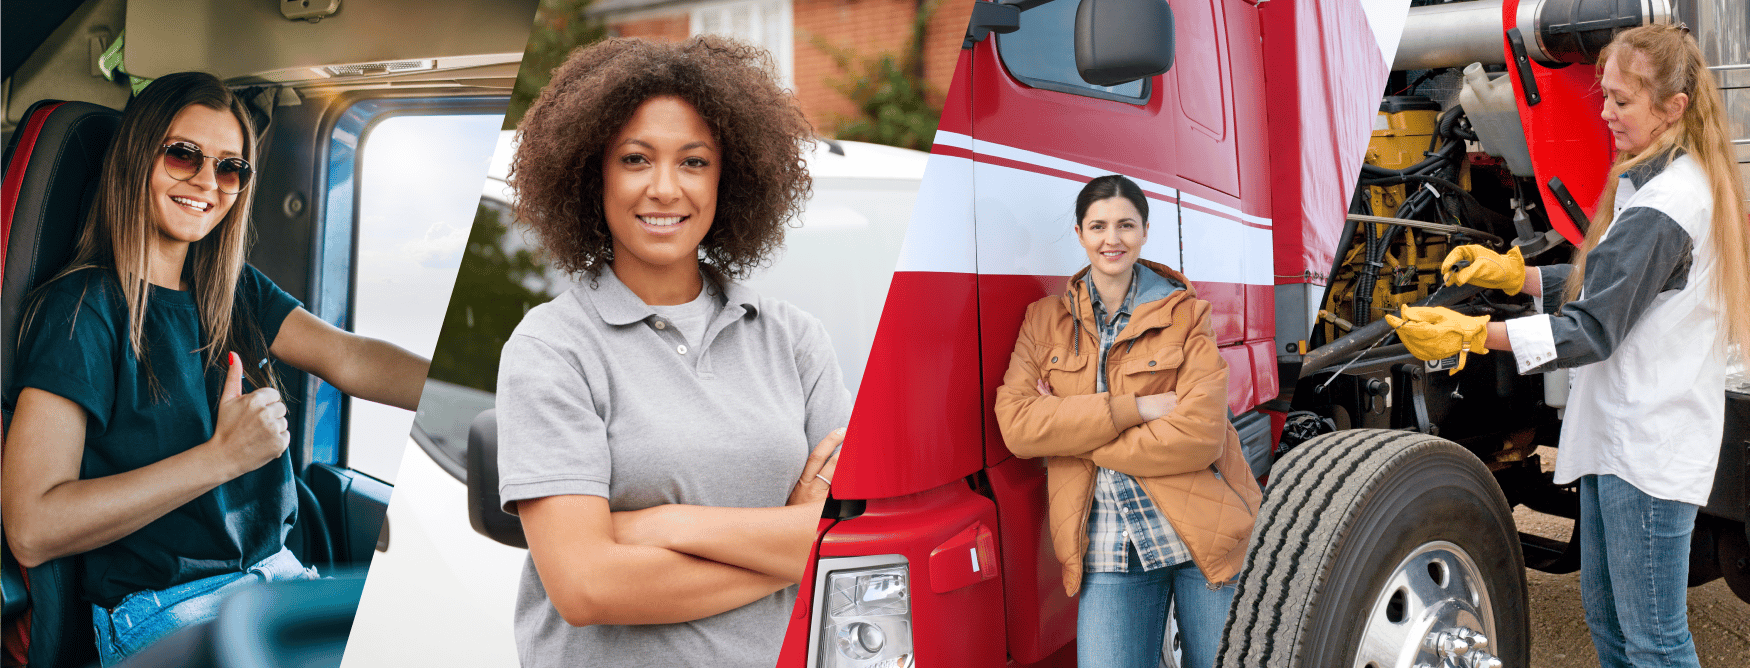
x=661 y=325
x=682 y=349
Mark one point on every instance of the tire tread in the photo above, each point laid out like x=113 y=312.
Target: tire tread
x=1309 y=500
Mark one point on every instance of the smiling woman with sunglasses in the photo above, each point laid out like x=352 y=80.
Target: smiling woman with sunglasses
x=183 y=160
x=134 y=444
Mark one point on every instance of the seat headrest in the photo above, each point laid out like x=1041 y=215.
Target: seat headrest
x=52 y=166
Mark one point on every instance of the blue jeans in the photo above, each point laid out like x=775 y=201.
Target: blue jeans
x=1122 y=619
x=143 y=617
x=1634 y=574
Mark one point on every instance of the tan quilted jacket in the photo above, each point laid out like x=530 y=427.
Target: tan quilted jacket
x=1189 y=462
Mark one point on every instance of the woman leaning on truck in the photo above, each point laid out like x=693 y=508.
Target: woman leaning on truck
x=1647 y=309
x=656 y=422
x=1119 y=383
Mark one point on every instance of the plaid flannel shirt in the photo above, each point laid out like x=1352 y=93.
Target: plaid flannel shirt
x=1122 y=514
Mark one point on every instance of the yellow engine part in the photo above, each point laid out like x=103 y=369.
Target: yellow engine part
x=1399 y=140
x=1412 y=263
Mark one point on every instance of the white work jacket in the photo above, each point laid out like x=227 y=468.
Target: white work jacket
x=1646 y=340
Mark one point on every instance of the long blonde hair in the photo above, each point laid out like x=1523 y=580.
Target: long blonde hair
x=123 y=223
x=1674 y=65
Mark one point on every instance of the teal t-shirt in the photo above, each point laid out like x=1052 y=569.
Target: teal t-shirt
x=76 y=346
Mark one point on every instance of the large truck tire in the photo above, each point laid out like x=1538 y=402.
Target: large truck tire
x=1380 y=549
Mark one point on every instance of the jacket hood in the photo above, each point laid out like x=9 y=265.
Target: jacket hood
x=1157 y=313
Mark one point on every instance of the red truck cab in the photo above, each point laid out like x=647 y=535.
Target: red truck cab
x=938 y=552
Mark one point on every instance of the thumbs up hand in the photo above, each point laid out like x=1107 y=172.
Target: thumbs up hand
x=250 y=429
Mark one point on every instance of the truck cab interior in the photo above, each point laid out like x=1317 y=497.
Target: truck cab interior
x=433 y=79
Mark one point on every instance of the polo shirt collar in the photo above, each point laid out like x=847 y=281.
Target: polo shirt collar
x=617 y=305
x=743 y=296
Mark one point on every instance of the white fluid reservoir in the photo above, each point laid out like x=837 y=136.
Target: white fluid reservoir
x=1494 y=114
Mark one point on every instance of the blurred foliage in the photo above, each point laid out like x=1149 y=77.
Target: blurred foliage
x=493 y=291
x=892 y=96
x=496 y=286
x=560 y=26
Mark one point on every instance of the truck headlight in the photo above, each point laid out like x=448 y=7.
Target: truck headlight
x=862 y=608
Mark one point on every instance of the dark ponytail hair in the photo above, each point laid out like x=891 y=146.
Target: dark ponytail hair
x=1106 y=187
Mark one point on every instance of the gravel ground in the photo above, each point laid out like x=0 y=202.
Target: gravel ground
x=1559 y=639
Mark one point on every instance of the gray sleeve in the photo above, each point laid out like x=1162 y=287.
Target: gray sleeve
x=1554 y=279
x=1646 y=253
x=823 y=382
x=551 y=439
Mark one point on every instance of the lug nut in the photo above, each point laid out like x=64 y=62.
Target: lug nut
x=1477 y=640
x=1455 y=645
x=1449 y=643
x=1484 y=660
x=1432 y=642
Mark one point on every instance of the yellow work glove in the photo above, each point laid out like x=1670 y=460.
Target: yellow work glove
x=1437 y=332
x=1485 y=268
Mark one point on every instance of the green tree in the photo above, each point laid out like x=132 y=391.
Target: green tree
x=560 y=27
x=893 y=98
x=494 y=288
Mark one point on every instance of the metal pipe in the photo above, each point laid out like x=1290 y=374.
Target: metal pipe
x=1451 y=35
x=1460 y=33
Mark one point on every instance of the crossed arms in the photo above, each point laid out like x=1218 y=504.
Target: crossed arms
x=1118 y=430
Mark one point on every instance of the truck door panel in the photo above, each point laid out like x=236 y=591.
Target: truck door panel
x=1229 y=300
x=918 y=402
x=1041 y=618
x=1241 y=386
x=1203 y=88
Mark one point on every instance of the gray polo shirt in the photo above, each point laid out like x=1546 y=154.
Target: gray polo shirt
x=600 y=395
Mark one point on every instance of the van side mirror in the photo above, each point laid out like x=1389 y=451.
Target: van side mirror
x=1120 y=41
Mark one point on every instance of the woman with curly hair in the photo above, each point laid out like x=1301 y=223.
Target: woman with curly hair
x=656 y=421
x=134 y=446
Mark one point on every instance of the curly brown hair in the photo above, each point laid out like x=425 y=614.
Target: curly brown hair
x=557 y=171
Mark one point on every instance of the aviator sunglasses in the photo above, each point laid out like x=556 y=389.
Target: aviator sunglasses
x=183 y=160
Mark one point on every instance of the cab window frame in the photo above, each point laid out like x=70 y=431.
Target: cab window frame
x=333 y=288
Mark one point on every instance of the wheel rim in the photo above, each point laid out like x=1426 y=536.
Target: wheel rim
x=1432 y=611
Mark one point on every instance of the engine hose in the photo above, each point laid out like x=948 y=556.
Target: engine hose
x=1364 y=281
x=1358 y=204
x=1444 y=157
x=1448 y=125
x=1373 y=252
x=1439 y=163
x=1448 y=120
x=1406 y=178
x=1373 y=257
x=1443 y=126
x=1422 y=178
x=1440 y=159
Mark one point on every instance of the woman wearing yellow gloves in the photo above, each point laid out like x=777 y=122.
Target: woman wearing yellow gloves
x=1644 y=317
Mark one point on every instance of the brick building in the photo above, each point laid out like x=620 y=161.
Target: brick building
x=789 y=28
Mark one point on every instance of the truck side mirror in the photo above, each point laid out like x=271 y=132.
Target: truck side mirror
x=485 y=513
x=1120 y=41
